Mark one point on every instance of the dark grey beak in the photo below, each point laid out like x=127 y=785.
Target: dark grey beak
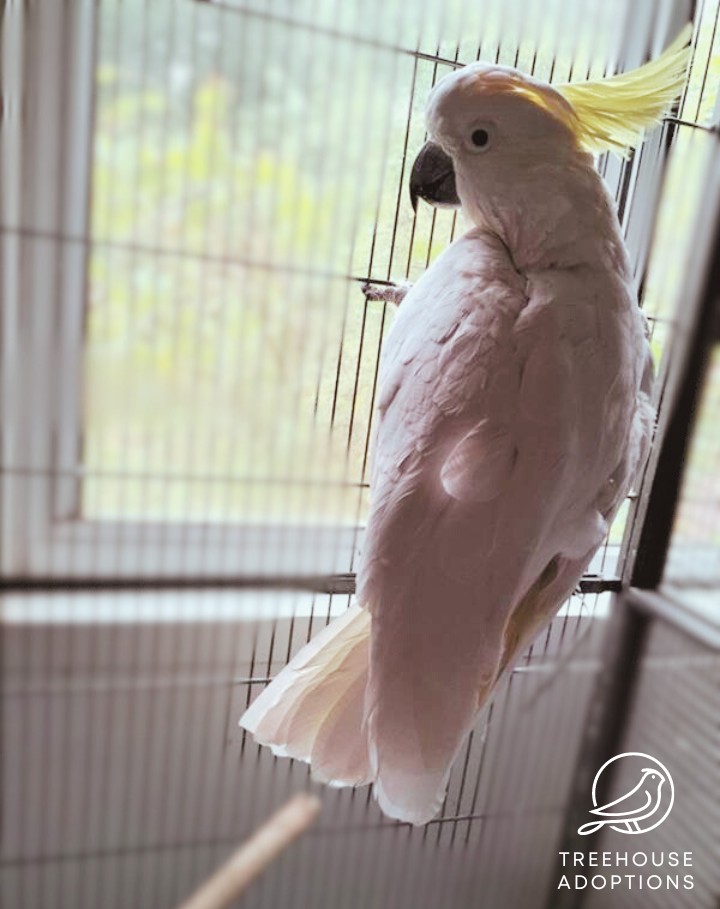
x=433 y=178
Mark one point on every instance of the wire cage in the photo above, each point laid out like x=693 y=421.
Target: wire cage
x=194 y=197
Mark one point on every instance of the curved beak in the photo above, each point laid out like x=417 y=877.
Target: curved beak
x=433 y=178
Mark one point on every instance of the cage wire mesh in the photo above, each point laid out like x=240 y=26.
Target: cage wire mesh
x=194 y=368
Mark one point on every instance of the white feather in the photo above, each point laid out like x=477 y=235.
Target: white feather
x=311 y=706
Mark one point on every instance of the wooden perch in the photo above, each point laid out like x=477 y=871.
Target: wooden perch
x=253 y=857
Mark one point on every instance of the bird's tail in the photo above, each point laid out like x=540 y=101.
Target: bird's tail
x=314 y=709
x=592 y=827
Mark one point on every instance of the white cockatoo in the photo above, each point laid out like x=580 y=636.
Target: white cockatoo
x=513 y=415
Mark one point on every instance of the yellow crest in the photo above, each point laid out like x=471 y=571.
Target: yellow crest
x=613 y=114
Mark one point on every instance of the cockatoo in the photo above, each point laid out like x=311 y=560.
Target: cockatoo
x=513 y=415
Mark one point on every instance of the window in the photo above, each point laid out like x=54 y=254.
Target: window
x=183 y=307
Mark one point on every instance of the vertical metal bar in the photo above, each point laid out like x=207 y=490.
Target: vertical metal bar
x=655 y=511
x=605 y=725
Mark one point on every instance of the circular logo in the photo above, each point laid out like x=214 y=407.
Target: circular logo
x=645 y=803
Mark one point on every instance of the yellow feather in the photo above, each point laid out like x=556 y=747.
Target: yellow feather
x=613 y=114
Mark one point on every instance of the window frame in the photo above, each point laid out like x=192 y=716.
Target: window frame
x=50 y=49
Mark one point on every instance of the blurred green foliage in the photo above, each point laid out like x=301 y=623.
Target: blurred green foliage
x=246 y=175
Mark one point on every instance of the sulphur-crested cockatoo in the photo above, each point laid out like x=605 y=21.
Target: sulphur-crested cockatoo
x=512 y=417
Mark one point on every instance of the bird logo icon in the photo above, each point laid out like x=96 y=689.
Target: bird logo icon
x=644 y=806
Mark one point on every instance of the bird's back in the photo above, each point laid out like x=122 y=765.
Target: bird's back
x=507 y=401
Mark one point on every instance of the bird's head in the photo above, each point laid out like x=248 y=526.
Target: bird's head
x=488 y=125
x=651 y=775
x=496 y=133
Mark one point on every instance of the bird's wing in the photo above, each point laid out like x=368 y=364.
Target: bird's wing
x=488 y=465
x=621 y=798
x=603 y=811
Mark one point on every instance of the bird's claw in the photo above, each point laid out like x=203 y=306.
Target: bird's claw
x=385 y=293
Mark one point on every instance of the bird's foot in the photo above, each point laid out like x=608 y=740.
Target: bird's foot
x=386 y=293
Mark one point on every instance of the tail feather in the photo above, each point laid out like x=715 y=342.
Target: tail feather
x=340 y=750
x=313 y=710
x=413 y=798
x=403 y=731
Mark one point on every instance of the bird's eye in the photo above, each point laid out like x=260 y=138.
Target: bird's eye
x=480 y=138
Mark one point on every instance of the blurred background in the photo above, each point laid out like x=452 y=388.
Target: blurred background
x=193 y=195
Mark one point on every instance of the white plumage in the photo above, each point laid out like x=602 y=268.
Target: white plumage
x=512 y=417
